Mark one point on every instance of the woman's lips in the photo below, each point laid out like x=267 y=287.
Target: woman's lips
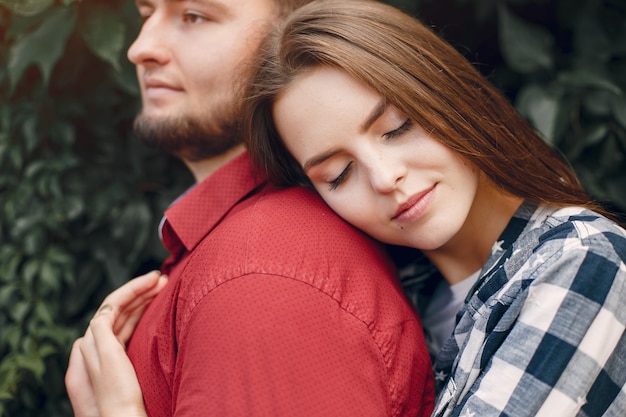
x=415 y=206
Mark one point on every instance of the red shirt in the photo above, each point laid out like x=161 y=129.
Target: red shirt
x=276 y=307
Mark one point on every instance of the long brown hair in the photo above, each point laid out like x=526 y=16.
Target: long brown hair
x=287 y=6
x=419 y=73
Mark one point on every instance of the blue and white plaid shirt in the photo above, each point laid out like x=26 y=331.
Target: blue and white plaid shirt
x=542 y=331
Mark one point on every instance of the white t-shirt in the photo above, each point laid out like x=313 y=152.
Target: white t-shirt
x=440 y=315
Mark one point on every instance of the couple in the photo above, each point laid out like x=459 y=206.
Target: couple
x=275 y=307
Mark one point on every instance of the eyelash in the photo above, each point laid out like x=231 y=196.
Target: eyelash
x=337 y=181
x=189 y=16
x=390 y=135
x=397 y=132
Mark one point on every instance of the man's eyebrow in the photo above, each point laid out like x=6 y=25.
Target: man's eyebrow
x=214 y=3
x=378 y=111
x=318 y=159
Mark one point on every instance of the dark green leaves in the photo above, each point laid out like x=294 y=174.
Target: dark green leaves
x=76 y=216
x=43 y=47
x=27 y=7
x=526 y=47
x=104 y=33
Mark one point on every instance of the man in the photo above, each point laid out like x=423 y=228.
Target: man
x=274 y=306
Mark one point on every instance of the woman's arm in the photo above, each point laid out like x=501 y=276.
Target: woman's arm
x=100 y=379
x=554 y=349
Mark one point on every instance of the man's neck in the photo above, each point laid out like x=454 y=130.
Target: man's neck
x=202 y=169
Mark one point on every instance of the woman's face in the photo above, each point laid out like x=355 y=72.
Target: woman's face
x=373 y=166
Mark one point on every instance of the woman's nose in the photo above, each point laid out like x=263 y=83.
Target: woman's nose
x=386 y=173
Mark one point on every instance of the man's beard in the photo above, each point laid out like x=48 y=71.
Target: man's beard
x=187 y=137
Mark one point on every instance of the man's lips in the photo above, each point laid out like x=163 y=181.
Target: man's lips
x=154 y=83
x=414 y=205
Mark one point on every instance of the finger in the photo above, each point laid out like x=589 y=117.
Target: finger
x=133 y=293
x=116 y=387
x=75 y=368
x=132 y=290
x=138 y=300
x=125 y=324
x=78 y=385
x=89 y=354
x=127 y=318
x=92 y=347
x=105 y=343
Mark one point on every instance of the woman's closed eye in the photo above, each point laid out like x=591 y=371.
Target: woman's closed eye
x=400 y=130
x=341 y=178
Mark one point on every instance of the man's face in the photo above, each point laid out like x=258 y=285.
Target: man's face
x=188 y=57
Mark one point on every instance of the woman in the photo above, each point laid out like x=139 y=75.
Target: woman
x=405 y=140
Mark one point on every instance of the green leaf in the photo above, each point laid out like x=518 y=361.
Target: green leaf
x=29 y=130
x=27 y=7
x=12 y=334
x=49 y=276
x=63 y=133
x=15 y=157
x=19 y=311
x=598 y=102
x=43 y=47
x=47 y=349
x=596 y=134
x=526 y=48
x=592 y=46
x=33 y=169
x=612 y=157
x=104 y=34
x=31 y=363
x=58 y=257
x=618 y=106
x=6 y=294
x=31 y=269
x=10 y=267
x=43 y=313
x=541 y=106
x=588 y=79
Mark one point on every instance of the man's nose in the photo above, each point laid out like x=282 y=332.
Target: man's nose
x=151 y=45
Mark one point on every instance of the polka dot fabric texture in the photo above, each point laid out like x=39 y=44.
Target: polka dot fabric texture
x=276 y=307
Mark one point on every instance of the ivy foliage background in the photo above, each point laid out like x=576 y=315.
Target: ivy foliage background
x=80 y=198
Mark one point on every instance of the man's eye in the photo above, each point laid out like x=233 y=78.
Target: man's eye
x=397 y=132
x=144 y=14
x=341 y=178
x=193 y=18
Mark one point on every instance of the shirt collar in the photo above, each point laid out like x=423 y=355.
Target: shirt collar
x=198 y=211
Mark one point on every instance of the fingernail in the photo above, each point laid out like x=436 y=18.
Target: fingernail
x=105 y=309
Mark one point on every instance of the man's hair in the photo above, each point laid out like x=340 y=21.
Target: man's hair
x=419 y=73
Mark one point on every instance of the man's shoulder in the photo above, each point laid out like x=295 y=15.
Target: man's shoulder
x=290 y=227
x=290 y=198
x=292 y=235
x=295 y=210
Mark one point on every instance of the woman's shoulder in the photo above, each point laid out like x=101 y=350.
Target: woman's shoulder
x=580 y=227
x=571 y=243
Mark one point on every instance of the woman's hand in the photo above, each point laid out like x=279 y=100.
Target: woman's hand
x=100 y=379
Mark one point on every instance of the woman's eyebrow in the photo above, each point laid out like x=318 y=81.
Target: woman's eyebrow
x=378 y=111
x=318 y=159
